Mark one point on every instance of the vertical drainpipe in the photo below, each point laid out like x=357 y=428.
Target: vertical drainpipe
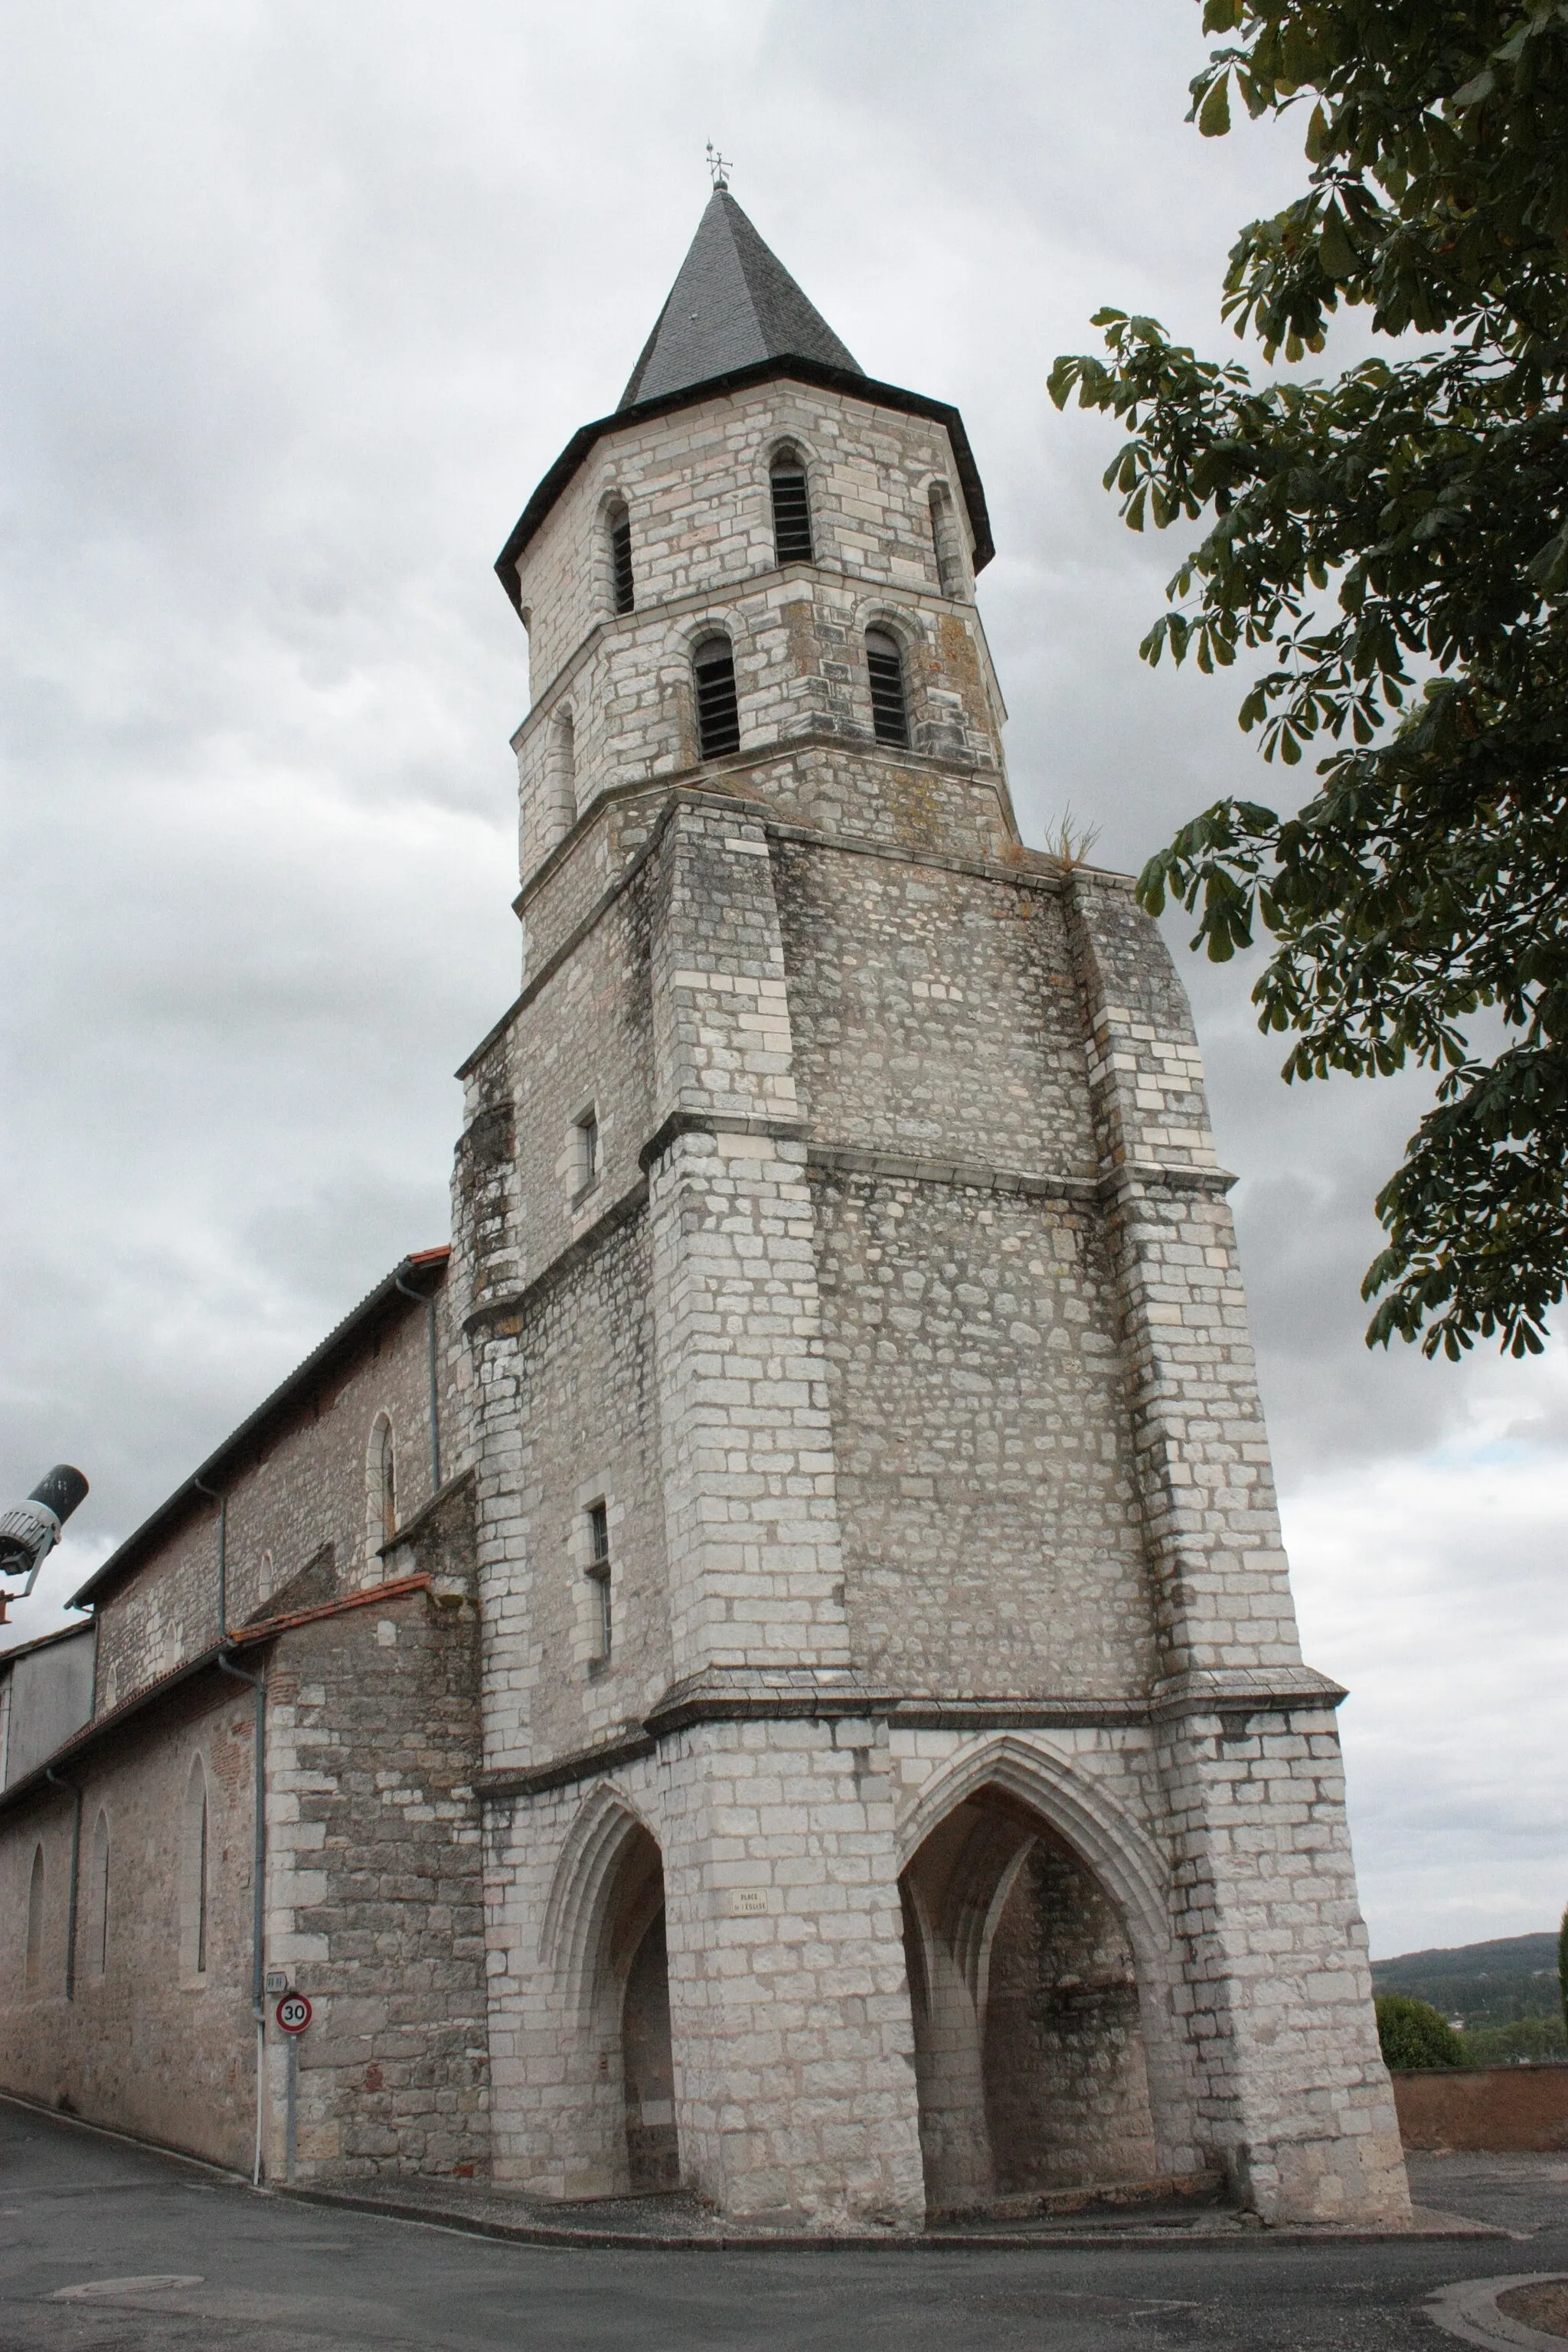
x=74 y=1788
x=257 y=1898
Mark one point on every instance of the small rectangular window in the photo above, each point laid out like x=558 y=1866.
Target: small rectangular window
x=599 y=1573
x=587 y=1151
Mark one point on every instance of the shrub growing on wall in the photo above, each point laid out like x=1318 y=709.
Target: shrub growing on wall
x=1413 y=2033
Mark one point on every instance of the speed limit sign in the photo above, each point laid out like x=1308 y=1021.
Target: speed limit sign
x=293 y=2014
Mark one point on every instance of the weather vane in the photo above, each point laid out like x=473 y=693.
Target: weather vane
x=718 y=167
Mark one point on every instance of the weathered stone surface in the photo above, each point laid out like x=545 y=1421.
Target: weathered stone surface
x=853 y=1637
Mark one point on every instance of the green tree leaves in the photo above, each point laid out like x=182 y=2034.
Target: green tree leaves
x=1390 y=548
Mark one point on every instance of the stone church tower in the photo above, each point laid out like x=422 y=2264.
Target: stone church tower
x=903 y=1791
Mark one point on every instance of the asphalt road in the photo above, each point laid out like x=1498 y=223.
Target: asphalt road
x=254 y=2269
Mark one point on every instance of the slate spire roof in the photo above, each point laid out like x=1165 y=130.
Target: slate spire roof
x=733 y=303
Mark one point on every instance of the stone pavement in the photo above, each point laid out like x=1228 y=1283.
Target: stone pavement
x=683 y=2223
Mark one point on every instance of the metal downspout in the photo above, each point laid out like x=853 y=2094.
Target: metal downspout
x=258 y=1900
x=74 y=1787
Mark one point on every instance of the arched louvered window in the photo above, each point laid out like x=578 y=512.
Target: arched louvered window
x=792 y=508
x=35 y=1960
x=944 y=539
x=623 y=587
x=717 y=714
x=885 y=663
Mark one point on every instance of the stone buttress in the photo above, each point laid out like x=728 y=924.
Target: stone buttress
x=903 y=1790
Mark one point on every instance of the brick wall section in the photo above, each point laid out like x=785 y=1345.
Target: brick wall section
x=985 y=1478
x=141 y=2047
x=584 y=1375
x=1069 y=2100
x=1491 y=2108
x=308 y=1486
x=373 y=1885
x=752 y=1522
x=933 y=1011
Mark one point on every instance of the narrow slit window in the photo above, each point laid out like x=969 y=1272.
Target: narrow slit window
x=623 y=587
x=889 y=716
x=944 y=537
x=35 y=1960
x=599 y=1575
x=587 y=1151
x=561 y=776
x=388 y=1485
x=718 y=711
x=202 y=1885
x=98 y=1900
x=791 y=510
x=194 y=1878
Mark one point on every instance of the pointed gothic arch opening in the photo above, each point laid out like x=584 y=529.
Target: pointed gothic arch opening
x=604 y=1933
x=1029 y=2044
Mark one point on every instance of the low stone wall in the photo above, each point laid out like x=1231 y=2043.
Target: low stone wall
x=1492 y=2108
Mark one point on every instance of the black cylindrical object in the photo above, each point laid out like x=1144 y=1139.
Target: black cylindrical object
x=60 y=1492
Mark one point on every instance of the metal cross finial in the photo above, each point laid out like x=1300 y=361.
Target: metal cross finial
x=718 y=167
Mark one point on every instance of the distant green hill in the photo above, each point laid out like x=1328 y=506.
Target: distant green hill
x=1482 y=1984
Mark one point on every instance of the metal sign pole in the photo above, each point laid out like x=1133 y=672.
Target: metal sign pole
x=291 y=2108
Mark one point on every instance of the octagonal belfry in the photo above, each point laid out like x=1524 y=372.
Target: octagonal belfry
x=903 y=1790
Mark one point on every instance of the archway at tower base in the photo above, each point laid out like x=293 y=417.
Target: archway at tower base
x=1028 y=2042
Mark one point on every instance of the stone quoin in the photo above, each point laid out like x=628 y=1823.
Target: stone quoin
x=775 y=1663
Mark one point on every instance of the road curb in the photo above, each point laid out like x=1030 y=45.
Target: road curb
x=1247 y=2232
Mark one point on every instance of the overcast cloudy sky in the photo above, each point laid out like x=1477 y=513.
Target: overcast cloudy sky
x=299 y=303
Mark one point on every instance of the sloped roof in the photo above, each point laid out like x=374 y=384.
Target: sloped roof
x=733 y=303
x=735 y=318
x=392 y=1296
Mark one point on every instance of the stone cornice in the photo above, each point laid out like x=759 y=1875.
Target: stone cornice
x=1242 y=1690
x=707 y=1122
x=1158 y=1175
x=925 y=1168
x=736 y=1695
x=1105 y=1192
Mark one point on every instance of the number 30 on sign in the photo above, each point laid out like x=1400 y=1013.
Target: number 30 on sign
x=293 y=2014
